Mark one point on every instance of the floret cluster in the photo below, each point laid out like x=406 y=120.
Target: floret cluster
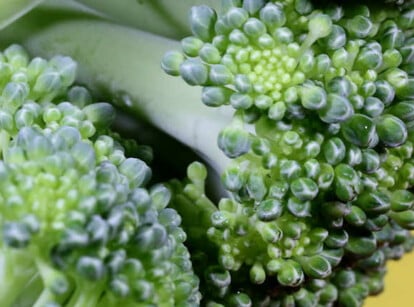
x=315 y=156
x=79 y=222
x=321 y=140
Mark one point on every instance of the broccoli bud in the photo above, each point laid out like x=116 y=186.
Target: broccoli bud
x=79 y=219
x=323 y=95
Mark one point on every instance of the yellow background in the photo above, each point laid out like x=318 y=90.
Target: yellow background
x=399 y=285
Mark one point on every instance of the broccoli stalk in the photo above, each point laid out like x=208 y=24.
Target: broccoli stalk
x=13 y=10
x=17 y=269
x=162 y=17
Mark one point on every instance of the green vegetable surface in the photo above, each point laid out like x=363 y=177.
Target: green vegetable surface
x=304 y=110
x=79 y=225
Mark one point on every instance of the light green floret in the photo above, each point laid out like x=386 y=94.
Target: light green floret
x=286 y=60
x=78 y=225
x=321 y=67
x=227 y=282
x=29 y=89
x=95 y=235
x=270 y=239
x=281 y=58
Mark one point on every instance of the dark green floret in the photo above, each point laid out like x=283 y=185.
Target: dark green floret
x=322 y=145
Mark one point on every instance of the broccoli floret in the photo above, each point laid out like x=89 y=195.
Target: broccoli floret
x=319 y=144
x=347 y=264
x=319 y=149
x=79 y=224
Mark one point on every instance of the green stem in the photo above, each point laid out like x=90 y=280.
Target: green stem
x=57 y=285
x=45 y=297
x=108 y=299
x=30 y=292
x=4 y=142
x=164 y=17
x=125 y=64
x=11 y=10
x=16 y=270
x=87 y=293
x=192 y=204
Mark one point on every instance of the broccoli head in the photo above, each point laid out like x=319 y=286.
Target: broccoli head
x=80 y=225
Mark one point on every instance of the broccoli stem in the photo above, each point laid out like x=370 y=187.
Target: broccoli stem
x=87 y=293
x=30 y=292
x=16 y=270
x=57 y=286
x=12 y=10
x=166 y=102
x=110 y=300
x=4 y=142
x=45 y=297
x=195 y=209
x=164 y=17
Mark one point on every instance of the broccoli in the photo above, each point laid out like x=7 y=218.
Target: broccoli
x=80 y=226
x=306 y=116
